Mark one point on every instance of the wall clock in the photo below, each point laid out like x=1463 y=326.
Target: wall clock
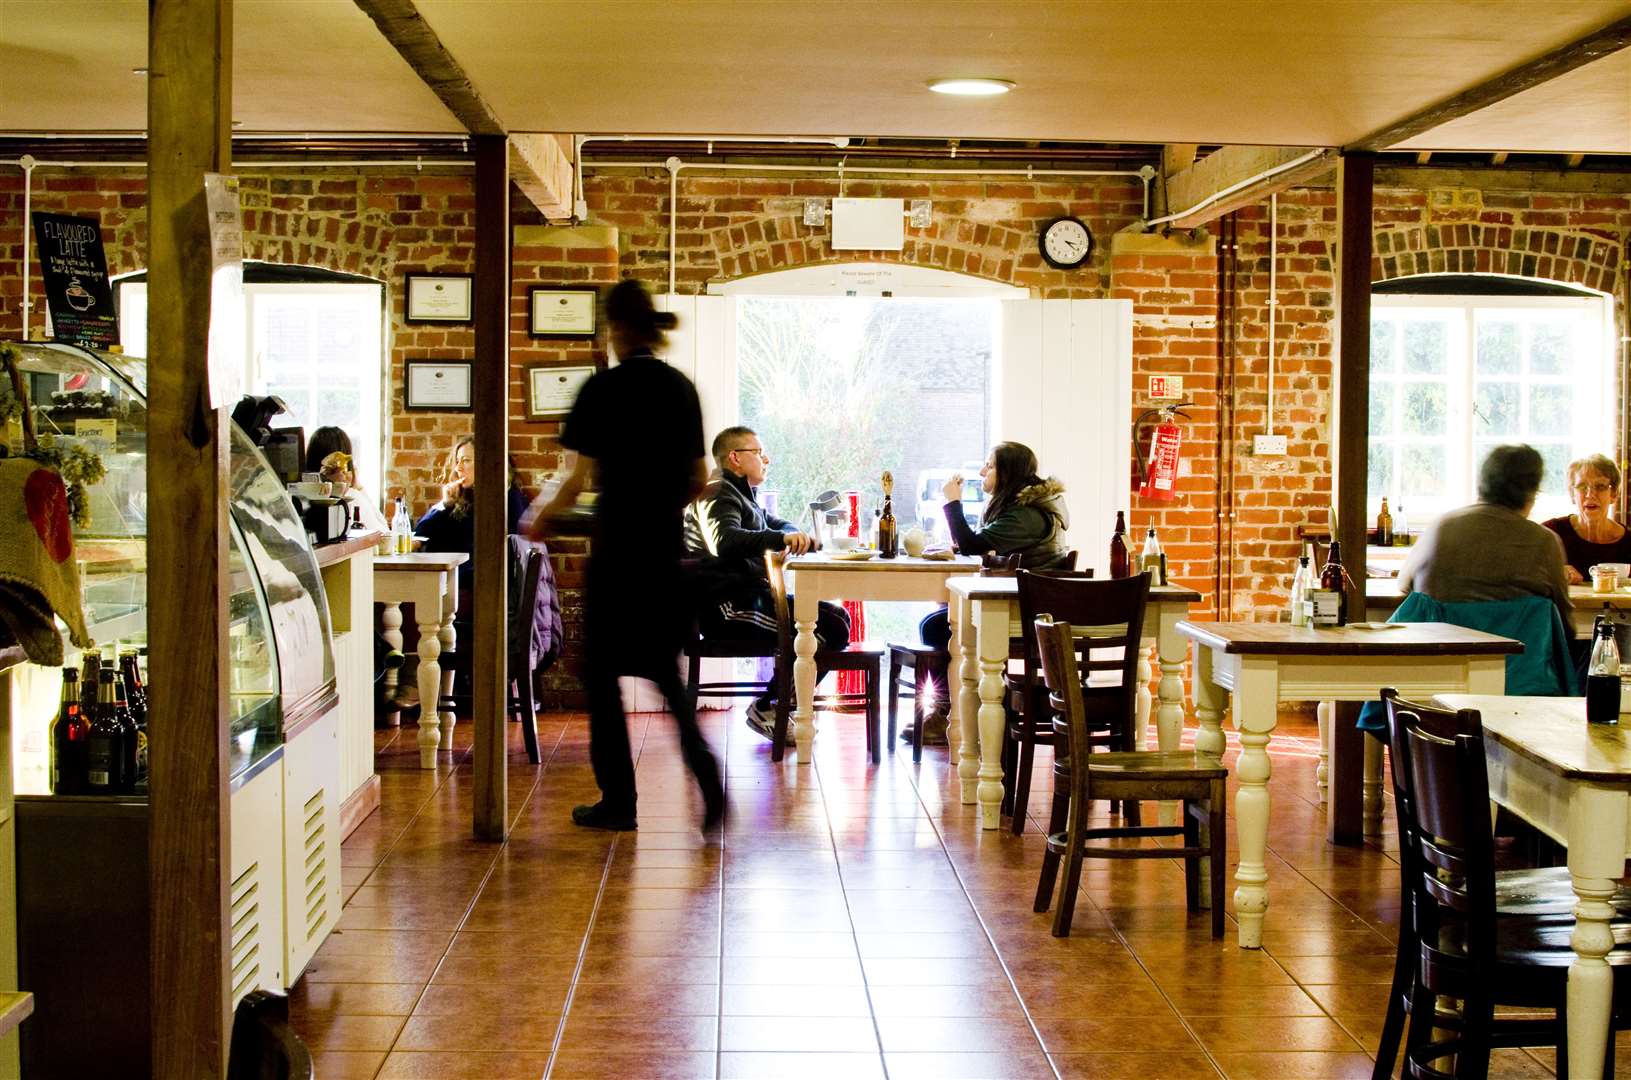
x=1066 y=242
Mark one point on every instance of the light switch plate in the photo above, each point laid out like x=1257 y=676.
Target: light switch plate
x=1269 y=445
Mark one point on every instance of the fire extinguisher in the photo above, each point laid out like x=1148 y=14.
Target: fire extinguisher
x=1160 y=468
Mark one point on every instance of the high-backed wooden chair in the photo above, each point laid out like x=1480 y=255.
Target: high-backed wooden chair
x=1466 y=931
x=1197 y=779
x=857 y=657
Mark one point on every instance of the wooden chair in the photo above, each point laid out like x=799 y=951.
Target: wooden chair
x=856 y=657
x=263 y=1045
x=519 y=665
x=1490 y=939
x=1197 y=779
x=1029 y=721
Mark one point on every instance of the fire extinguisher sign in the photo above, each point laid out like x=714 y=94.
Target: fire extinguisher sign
x=1161 y=478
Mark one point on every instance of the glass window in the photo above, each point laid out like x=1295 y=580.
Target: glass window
x=1452 y=377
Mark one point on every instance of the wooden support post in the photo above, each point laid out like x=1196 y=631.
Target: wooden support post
x=1356 y=174
x=491 y=394
x=189 y=101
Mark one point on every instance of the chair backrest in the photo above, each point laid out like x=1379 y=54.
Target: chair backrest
x=1072 y=559
x=1001 y=564
x=526 y=613
x=1104 y=615
x=1439 y=757
x=1056 y=646
x=263 y=1046
x=776 y=570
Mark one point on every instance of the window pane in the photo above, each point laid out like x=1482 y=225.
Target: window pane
x=1381 y=406
x=1423 y=471
x=1549 y=352
x=1379 y=470
x=1425 y=346
x=1556 y=479
x=1551 y=410
x=1384 y=336
x=1425 y=409
x=1495 y=409
x=1498 y=348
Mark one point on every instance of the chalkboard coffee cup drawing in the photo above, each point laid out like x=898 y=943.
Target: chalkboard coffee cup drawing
x=78 y=298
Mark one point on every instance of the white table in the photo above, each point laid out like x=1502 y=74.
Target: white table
x=430 y=582
x=818 y=577
x=1266 y=664
x=984 y=616
x=1573 y=783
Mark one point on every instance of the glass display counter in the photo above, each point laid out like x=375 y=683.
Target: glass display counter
x=280 y=651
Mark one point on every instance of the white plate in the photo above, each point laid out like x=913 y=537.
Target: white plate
x=851 y=556
x=1376 y=626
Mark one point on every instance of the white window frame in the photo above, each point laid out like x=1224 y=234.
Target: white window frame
x=1463 y=460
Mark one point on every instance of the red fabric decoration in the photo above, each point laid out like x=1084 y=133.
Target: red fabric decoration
x=46 y=499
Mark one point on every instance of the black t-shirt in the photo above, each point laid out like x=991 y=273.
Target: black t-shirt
x=1581 y=553
x=641 y=422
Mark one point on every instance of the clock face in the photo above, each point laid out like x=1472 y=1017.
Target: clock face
x=1066 y=242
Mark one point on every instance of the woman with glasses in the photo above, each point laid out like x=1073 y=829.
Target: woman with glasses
x=1590 y=535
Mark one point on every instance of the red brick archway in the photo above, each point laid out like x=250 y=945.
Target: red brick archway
x=1569 y=257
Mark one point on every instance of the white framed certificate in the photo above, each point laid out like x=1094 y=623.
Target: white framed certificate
x=561 y=311
x=439 y=385
x=551 y=389
x=439 y=298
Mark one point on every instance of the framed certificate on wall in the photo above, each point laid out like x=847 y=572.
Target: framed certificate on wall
x=437 y=385
x=561 y=311
x=552 y=389
x=439 y=298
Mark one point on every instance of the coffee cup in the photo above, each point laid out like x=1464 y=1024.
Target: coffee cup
x=915 y=541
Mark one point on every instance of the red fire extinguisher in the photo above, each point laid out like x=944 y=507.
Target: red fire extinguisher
x=1160 y=468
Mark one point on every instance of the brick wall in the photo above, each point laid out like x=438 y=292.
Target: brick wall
x=385 y=223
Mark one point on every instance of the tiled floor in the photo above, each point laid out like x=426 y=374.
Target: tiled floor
x=851 y=922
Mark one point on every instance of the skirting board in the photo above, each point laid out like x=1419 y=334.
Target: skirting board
x=362 y=802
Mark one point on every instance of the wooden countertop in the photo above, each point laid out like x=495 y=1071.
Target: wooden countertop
x=1553 y=732
x=421 y=560
x=1409 y=639
x=996 y=588
x=354 y=542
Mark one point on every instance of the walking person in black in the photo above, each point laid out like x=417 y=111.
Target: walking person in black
x=638 y=426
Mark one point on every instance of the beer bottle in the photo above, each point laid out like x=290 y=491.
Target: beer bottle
x=103 y=745
x=129 y=737
x=1330 y=600
x=888 y=531
x=68 y=734
x=136 y=695
x=90 y=672
x=1120 y=560
x=1384 y=526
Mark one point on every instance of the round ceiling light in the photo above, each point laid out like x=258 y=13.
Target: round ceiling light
x=971 y=87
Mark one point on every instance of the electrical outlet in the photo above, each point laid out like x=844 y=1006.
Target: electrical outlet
x=1269 y=445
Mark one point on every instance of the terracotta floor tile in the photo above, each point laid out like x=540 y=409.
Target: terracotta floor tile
x=1203 y=1001
x=1157 y=1033
x=798 y=1033
x=348 y=1064
x=650 y=970
x=774 y=971
x=590 y=1033
x=468 y=943
x=1235 y=1034
x=309 y=998
x=1306 y=1065
x=671 y=999
x=405 y=943
x=511 y=968
x=811 y=944
x=341 y=1032
x=803 y=999
x=464 y=1065
x=375 y=969
x=473 y=1031
x=601 y=1064
x=799 y=1066
x=940 y=1066
x=455 y=1000
x=1134 y=1066
x=990 y=1000
x=918 y=1034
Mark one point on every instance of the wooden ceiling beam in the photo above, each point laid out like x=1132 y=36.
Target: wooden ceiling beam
x=1237 y=176
x=1604 y=42
x=410 y=35
x=541 y=166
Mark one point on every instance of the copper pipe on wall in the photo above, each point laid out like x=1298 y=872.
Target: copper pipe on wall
x=1224 y=506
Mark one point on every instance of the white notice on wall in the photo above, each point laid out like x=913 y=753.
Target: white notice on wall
x=868 y=224
x=226 y=340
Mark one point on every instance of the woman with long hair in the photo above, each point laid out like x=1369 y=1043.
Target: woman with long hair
x=637 y=428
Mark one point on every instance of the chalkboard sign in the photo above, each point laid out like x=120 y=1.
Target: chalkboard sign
x=77 y=292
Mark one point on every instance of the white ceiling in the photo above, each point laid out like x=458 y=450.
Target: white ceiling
x=1291 y=72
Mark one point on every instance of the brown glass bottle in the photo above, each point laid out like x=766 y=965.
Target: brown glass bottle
x=90 y=673
x=1384 y=526
x=1120 y=559
x=129 y=738
x=68 y=735
x=1332 y=580
x=888 y=531
x=136 y=696
x=104 y=744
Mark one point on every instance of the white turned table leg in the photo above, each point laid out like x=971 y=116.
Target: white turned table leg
x=1323 y=712
x=450 y=607
x=991 y=638
x=1143 y=698
x=1371 y=805
x=1597 y=833
x=1169 y=716
x=390 y=621
x=430 y=682
x=805 y=606
x=1255 y=703
x=1211 y=701
x=965 y=662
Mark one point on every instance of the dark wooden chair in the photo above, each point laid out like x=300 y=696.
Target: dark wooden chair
x=263 y=1045
x=519 y=666
x=1197 y=779
x=856 y=657
x=1467 y=931
x=1029 y=722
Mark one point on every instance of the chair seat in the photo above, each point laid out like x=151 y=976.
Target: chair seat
x=852 y=658
x=1156 y=765
x=916 y=650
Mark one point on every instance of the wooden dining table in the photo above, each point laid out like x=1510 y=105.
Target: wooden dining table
x=1382 y=597
x=831 y=576
x=1572 y=781
x=985 y=617
x=1264 y=665
x=430 y=582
